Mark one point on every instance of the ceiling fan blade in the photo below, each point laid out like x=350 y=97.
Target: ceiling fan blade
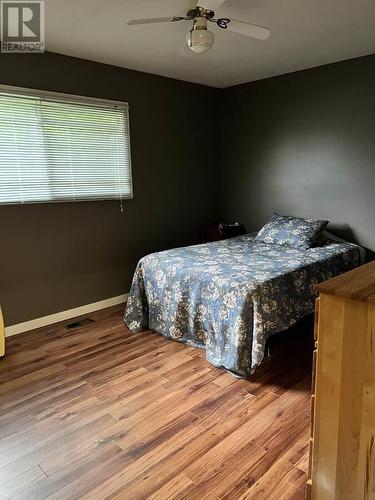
x=211 y=4
x=135 y=22
x=248 y=29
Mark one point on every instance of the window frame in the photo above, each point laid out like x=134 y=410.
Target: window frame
x=75 y=99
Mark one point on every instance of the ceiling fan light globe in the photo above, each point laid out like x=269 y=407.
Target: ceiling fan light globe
x=200 y=41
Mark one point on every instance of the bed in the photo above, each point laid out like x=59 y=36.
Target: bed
x=229 y=296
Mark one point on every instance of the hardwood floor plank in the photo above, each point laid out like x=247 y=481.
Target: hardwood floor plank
x=274 y=484
x=220 y=401
x=171 y=456
x=224 y=379
x=275 y=455
x=187 y=369
x=297 y=478
x=53 y=442
x=133 y=400
x=225 y=463
x=78 y=477
x=18 y=484
x=27 y=375
x=172 y=489
x=56 y=424
x=291 y=421
x=33 y=400
x=171 y=360
x=56 y=455
x=301 y=459
x=117 y=381
x=97 y=412
x=160 y=414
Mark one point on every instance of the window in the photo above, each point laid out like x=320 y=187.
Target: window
x=62 y=148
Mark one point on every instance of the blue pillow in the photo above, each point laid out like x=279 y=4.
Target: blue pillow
x=292 y=232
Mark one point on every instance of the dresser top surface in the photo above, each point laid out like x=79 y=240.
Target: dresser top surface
x=357 y=284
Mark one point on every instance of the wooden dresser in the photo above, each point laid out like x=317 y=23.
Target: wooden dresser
x=342 y=440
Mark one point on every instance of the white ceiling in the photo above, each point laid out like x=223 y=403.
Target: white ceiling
x=305 y=33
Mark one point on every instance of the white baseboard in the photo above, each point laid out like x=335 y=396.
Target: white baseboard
x=64 y=315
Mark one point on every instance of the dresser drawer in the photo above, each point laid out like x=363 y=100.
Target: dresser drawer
x=313 y=375
x=316 y=319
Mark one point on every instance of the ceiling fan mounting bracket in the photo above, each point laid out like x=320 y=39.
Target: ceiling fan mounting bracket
x=209 y=15
x=200 y=12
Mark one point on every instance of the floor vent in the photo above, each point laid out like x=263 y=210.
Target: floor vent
x=78 y=324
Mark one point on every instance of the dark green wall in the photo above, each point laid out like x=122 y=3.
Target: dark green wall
x=58 y=256
x=303 y=144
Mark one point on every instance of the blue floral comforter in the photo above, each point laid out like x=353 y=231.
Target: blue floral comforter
x=230 y=296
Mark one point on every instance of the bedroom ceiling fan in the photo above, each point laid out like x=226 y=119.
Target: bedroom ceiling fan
x=199 y=39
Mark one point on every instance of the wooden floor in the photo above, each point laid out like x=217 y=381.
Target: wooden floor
x=96 y=412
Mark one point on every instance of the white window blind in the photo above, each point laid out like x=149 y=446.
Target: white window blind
x=56 y=148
